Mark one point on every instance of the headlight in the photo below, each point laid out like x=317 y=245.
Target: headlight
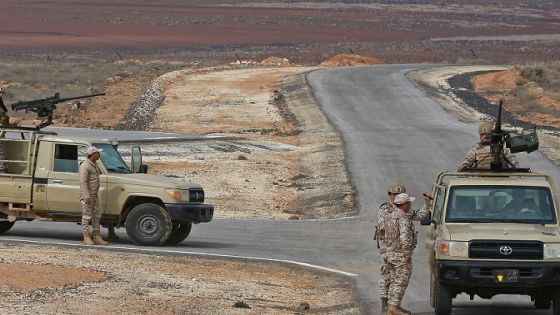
x=455 y=249
x=551 y=250
x=178 y=194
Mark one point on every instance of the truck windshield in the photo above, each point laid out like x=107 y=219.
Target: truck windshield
x=489 y=204
x=112 y=160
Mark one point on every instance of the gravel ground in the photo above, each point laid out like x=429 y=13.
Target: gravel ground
x=91 y=281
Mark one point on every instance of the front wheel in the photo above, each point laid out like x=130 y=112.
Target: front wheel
x=5 y=226
x=148 y=224
x=443 y=299
x=542 y=303
x=556 y=302
x=179 y=232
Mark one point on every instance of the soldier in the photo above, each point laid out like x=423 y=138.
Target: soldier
x=480 y=156
x=384 y=211
x=4 y=120
x=400 y=239
x=89 y=187
x=111 y=227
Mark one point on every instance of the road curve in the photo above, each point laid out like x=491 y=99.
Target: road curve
x=392 y=132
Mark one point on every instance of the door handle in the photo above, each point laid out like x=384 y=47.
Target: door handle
x=57 y=181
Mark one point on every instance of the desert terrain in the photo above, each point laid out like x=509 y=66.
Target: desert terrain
x=237 y=69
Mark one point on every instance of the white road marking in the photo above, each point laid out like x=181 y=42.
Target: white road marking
x=151 y=250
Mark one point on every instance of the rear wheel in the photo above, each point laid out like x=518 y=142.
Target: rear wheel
x=5 y=226
x=148 y=224
x=542 y=303
x=179 y=232
x=443 y=299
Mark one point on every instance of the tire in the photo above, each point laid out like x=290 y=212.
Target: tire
x=432 y=291
x=443 y=299
x=556 y=303
x=179 y=232
x=542 y=303
x=5 y=226
x=148 y=224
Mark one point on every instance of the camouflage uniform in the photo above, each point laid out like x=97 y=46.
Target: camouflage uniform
x=89 y=187
x=4 y=120
x=401 y=239
x=385 y=210
x=480 y=156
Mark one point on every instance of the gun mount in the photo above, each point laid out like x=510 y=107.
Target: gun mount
x=524 y=141
x=45 y=107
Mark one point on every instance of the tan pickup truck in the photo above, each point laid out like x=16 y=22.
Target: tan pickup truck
x=41 y=182
x=494 y=233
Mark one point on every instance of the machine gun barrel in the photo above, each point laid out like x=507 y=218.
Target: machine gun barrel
x=497 y=142
x=45 y=107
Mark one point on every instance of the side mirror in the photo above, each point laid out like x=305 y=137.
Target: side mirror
x=136 y=160
x=427 y=220
x=143 y=168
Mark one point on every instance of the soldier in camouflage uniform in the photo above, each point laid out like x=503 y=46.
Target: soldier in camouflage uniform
x=401 y=239
x=479 y=155
x=4 y=120
x=384 y=210
x=89 y=187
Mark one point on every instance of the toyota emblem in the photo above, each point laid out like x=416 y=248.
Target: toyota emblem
x=506 y=250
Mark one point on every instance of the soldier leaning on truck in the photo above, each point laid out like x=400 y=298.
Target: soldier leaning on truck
x=480 y=156
x=401 y=239
x=89 y=187
x=385 y=210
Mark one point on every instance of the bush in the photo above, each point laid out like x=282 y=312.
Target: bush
x=546 y=76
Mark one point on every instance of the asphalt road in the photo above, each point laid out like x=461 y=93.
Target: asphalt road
x=392 y=132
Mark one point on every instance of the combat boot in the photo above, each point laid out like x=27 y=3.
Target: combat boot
x=384 y=305
x=395 y=310
x=87 y=239
x=404 y=311
x=97 y=240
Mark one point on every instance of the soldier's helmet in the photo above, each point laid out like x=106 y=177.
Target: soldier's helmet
x=485 y=128
x=396 y=188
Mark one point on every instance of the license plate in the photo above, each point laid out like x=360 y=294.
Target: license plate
x=506 y=275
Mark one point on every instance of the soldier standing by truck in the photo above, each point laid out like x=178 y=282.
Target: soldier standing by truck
x=384 y=210
x=401 y=239
x=89 y=187
x=383 y=214
x=4 y=120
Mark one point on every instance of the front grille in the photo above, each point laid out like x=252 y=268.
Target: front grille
x=196 y=195
x=489 y=272
x=530 y=250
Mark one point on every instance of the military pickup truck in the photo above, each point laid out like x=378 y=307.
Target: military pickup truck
x=41 y=182
x=494 y=233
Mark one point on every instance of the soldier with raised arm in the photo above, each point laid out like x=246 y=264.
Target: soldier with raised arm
x=400 y=240
x=383 y=213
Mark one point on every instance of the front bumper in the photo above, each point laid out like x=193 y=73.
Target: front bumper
x=189 y=212
x=475 y=275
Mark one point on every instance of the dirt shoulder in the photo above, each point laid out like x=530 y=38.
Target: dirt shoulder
x=51 y=280
x=285 y=161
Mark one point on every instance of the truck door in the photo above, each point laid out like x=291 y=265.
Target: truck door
x=63 y=186
x=432 y=231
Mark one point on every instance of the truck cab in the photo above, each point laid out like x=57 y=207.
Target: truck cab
x=41 y=182
x=494 y=233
